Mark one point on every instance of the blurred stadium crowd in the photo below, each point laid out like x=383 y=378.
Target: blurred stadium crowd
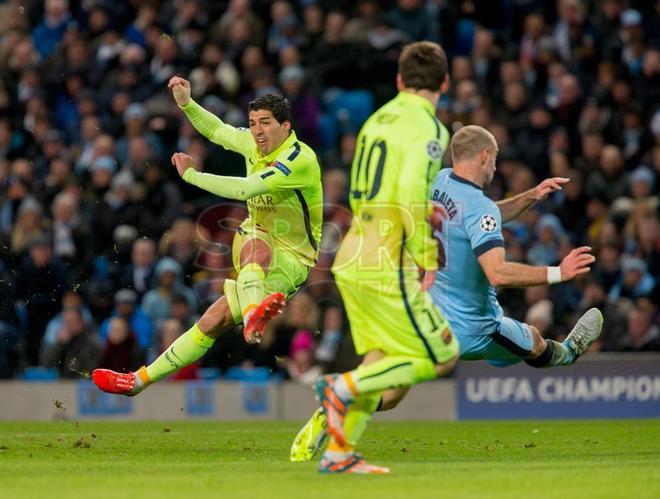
x=106 y=256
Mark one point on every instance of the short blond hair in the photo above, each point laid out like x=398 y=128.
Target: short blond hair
x=469 y=141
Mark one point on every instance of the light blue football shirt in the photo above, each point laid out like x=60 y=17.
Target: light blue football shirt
x=472 y=225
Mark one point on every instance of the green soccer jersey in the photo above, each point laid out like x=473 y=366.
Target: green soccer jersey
x=399 y=153
x=282 y=189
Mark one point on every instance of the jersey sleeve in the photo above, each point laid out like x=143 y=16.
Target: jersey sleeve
x=228 y=187
x=421 y=161
x=289 y=171
x=483 y=225
x=218 y=132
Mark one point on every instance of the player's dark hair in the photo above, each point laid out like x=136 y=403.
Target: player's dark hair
x=276 y=104
x=423 y=65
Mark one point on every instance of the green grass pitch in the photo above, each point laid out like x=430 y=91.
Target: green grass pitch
x=530 y=459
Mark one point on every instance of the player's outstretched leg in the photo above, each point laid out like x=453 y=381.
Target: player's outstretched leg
x=587 y=330
x=186 y=349
x=310 y=439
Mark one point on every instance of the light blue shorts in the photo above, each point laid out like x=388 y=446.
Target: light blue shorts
x=509 y=344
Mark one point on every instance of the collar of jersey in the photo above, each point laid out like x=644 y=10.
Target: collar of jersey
x=464 y=181
x=419 y=100
x=284 y=145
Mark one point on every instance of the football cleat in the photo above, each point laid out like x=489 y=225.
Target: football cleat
x=586 y=331
x=353 y=464
x=310 y=439
x=258 y=318
x=114 y=382
x=333 y=406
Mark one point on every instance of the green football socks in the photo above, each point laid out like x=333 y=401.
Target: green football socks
x=358 y=416
x=389 y=372
x=185 y=350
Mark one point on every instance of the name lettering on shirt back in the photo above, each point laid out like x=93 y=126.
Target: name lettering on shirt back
x=446 y=202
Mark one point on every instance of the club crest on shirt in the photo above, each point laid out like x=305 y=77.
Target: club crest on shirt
x=434 y=149
x=488 y=223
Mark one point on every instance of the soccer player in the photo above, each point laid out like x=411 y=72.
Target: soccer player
x=273 y=249
x=469 y=228
x=394 y=323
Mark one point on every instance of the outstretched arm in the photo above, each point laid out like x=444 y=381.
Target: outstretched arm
x=207 y=123
x=510 y=274
x=240 y=188
x=513 y=207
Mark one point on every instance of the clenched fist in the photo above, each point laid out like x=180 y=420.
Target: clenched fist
x=180 y=89
x=182 y=162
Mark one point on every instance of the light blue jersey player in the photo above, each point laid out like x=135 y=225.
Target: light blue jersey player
x=468 y=226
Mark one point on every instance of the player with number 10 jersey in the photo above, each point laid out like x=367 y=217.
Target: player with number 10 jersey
x=398 y=155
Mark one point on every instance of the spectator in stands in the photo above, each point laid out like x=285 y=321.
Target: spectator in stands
x=238 y=11
x=181 y=310
x=71 y=236
x=135 y=125
x=607 y=268
x=305 y=108
x=182 y=242
x=30 y=222
x=168 y=277
x=161 y=203
x=122 y=351
x=16 y=190
x=643 y=335
x=115 y=207
x=417 y=19
x=76 y=351
x=634 y=280
x=40 y=283
x=550 y=236
x=300 y=363
x=138 y=274
x=50 y=31
x=70 y=299
x=284 y=31
x=128 y=309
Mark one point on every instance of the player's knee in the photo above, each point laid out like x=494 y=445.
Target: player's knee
x=391 y=398
x=256 y=251
x=216 y=319
x=446 y=367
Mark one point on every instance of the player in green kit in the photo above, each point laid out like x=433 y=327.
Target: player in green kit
x=403 y=336
x=273 y=249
